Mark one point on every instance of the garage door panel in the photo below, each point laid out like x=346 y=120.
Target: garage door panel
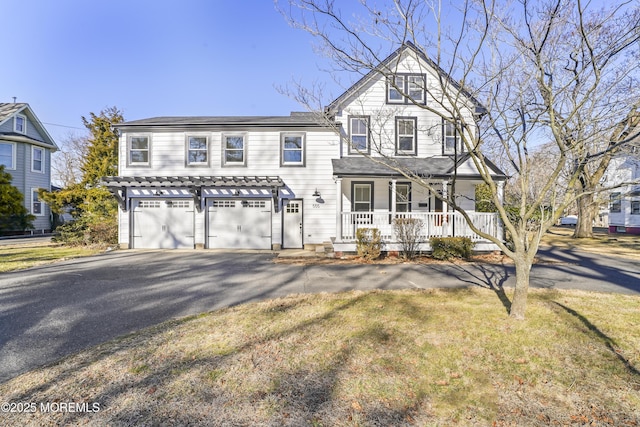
x=239 y=224
x=163 y=224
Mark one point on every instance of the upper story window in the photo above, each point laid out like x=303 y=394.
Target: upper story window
x=451 y=137
x=197 y=150
x=139 y=150
x=406 y=135
x=635 y=207
x=8 y=155
x=615 y=203
x=406 y=89
x=359 y=135
x=20 y=124
x=37 y=159
x=292 y=150
x=234 y=150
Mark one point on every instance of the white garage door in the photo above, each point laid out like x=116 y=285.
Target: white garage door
x=239 y=224
x=163 y=224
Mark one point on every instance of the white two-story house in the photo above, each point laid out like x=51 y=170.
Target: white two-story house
x=25 y=152
x=304 y=180
x=624 y=201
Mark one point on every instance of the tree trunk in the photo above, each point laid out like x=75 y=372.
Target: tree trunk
x=519 y=301
x=586 y=214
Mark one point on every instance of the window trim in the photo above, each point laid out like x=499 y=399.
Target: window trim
x=35 y=199
x=223 y=144
x=350 y=148
x=188 y=149
x=24 y=122
x=129 y=150
x=458 y=138
x=13 y=155
x=414 y=151
x=303 y=151
x=354 y=184
x=637 y=207
x=33 y=159
x=405 y=89
x=615 y=199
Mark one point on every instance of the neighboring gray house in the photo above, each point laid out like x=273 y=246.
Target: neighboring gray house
x=25 y=152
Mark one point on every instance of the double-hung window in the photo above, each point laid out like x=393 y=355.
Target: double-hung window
x=359 y=135
x=403 y=197
x=8 y=155
x=406 y=136
x=37 y=159
x=451 y=137
x=292 y=149
x=139 y=150
x=197 y=150
x=406 y=89
x=615 y=203
x=635 y=207
x=36 y=204
x=362 y=197
x=234 y=150
x=20 y=124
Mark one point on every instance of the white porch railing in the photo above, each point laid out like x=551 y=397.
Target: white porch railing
x=434 y=224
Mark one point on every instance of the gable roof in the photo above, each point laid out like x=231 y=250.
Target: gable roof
x=10 y=110
x=382 y=69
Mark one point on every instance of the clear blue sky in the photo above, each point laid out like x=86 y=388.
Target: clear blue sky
x=67 y=58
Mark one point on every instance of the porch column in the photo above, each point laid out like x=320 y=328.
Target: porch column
x=338 y=209
x=393 y=197
x=445 y=208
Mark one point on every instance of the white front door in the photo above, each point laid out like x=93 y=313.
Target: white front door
x=292 y=230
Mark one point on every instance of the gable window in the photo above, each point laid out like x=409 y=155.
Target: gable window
x=635 y=207
x=234 y=150
x=406 y=89
x=451 y=138
x=139 y=150
x=362 y=197
x=37 y=159
x=359 y=135
x=197 y=150
x=8 y=155
x=36 y=204
x=406 y=135
x=292 y=149
x=615 y=205
x=20 y=124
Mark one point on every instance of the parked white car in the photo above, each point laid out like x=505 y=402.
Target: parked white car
x=569 y=220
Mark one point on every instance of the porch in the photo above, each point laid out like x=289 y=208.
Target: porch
x=434 y=224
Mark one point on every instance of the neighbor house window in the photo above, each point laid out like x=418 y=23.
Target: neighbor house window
x=8 y=155
x=615 y=205
x=406 y=89
x=406 y=135
x=234 y=150
x=139 y=150
x=362 y=197
x=20 y=124
x=635 y=207
x=197 y=150
x=292 y=149
x=36 y=204
x=359 y=135
x=37 y=159
x=452 y=140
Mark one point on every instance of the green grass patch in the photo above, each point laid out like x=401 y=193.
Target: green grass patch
x=21 y=256
x=436 y=357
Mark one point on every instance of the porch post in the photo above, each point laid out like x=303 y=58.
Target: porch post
x=393 y=197
x=338 y=209
x=445 y=208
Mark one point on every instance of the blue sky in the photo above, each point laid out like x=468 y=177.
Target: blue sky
x=67 y=58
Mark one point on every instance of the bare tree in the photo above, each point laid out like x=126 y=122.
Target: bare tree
x=66 y=162
x=548 y=71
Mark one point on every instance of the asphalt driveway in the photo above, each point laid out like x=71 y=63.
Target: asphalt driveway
x=55 y=310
